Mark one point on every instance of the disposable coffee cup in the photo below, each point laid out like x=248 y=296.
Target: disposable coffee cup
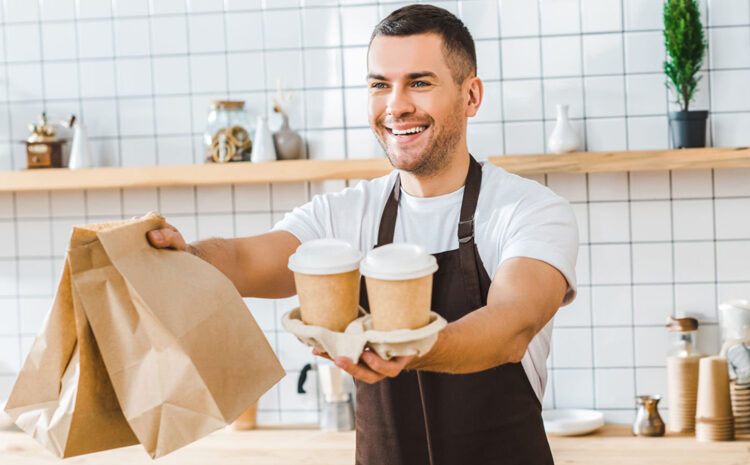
x=326 y=274
x=399 y=286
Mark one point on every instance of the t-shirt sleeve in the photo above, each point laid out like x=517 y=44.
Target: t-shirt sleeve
x=545 y=231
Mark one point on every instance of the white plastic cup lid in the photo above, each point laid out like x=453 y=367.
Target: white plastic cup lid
x=398 y=262
x=325 y=256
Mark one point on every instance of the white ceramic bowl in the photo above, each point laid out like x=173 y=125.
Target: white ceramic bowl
x=572 y=422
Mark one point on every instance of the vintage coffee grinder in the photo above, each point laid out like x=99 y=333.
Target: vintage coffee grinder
x=43 y=148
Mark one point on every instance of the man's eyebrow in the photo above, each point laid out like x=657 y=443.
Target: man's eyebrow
x=417 y=75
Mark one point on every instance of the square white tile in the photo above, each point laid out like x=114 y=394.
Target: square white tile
x=98 y=78
x=606 y=134
x=522 y=100
x=731 y=261
x=652 y=263
x=321 y=27
x=688 y=184
x=100 y=117
x=9 y=275
x=731 y=218
x=613 y=347
x=186 y=225
x=728 y=130
x=357 y=23
x=61 y=232
x=22 y=42
x=8 y=246
x=524 y=138
x=169 y=35
x=323 y=68
x=95 y=39
x=485 y=139
x=33 y=311
x=572 y=186
x=602 y=54
x=560 y=16
x=693 y=219
x=139 y=201
x=355 y=66
x=610 y=264
x=601 y=15
x=9 y=316
x=571 y=348
x=651 y=221
x=728 y=90
x=728 y=12
x=286 y=196
x=247 y=72
x=33 y=204
x=605 y=96
x=648 y=133
x=172 y=115
x=732 y=182
x=643 y=14
x=130 y=8
x=214 y=199
x=55 y=9
x=651 y=346
x=608 y=186
x=35 y=277
x=574 y=388
x=26 y=82
x=491 y=109
x=104 y=203
x=134 y=76
x=694 y=261
x=488 y=59
x=10 y=357
x=609 y=222
x=611 y=306
x=215 y=225
x=208 y=73
x=730 y=47
x=138 y=151
x=170 y=75
x=614 y=388
x=93 y=9
x=59 y=41
x=252 y=198
x=521 y=58
x=324 y=108
x=136 y=117
x=286 y=66
x=326 y=144
x=244 y=31
x=177 y=200
x=652 y=381
x=34 y=238
x=205 y=5
x=21 y=11
x=646 y=94
x=206 y=33
x=361 y=143
x=263 y=312
x=282 y=29
x=697 y=301
x=518 y=18
x=583 y=269
x=644 y=52
x=652 y=303
x=582 y=218
x=251 y=224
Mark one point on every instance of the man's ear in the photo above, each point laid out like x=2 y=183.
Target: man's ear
x=473 y=90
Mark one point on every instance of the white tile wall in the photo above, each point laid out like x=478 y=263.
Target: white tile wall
x=140 y=74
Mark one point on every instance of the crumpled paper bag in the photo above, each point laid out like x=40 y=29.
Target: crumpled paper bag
x=141 y=346
x=359 y=334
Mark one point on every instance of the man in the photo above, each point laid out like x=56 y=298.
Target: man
x=506 y=250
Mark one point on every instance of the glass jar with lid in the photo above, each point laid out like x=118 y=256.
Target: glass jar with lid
x=227 y=136
x=682 y=335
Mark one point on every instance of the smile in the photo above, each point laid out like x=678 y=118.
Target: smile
x=404 y=132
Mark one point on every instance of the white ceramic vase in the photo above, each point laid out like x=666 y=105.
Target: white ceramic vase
x=263 y=149
x=563 y=138
x=80 y=153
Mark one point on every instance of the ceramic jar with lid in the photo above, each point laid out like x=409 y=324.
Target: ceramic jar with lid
x=227 y=137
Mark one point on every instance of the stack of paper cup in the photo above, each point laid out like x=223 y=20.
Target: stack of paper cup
x=682 y=381
x=740 y=407
x=326 y=274
x=399 y=286
x=713 y=412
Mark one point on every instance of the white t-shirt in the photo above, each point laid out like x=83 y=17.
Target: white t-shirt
x=515 y=217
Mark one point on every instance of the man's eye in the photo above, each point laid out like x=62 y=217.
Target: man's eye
x=420 y=84
x=378 y=85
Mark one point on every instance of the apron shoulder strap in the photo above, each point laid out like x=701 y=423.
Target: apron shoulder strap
x=390 y=212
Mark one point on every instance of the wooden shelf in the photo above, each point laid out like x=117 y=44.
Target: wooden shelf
x=319 y=170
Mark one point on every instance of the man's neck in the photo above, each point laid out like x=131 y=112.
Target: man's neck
x=449 y=179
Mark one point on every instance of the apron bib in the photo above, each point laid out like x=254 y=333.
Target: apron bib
x=427 y=418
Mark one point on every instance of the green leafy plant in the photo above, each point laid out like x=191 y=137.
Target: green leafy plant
x=686 y=45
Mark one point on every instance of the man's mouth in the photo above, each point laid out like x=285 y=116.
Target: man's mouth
x=403 y=134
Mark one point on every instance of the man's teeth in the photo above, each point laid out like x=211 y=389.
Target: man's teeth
x=408 y=131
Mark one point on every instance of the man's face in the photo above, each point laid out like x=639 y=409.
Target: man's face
x=415 y=107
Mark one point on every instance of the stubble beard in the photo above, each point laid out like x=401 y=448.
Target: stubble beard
x=437 y=153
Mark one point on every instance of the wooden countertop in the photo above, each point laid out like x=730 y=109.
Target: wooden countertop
x=611 y=445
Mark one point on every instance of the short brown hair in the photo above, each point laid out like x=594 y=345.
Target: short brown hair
x=458 y=44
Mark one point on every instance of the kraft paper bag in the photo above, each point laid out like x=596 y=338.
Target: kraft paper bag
x=141 y=346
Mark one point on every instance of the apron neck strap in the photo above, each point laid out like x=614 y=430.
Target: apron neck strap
x=468 y=207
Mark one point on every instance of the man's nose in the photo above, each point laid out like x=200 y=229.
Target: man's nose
x=399 y=103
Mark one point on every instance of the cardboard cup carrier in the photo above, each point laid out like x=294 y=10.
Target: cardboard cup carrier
x=399 y=289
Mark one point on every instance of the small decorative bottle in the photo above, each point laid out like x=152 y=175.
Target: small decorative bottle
x=563 y=138
x=263 y=150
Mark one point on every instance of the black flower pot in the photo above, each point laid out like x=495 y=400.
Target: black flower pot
x=688 y=128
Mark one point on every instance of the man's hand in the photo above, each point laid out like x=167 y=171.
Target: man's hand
x=167 y=237
x=371 y=368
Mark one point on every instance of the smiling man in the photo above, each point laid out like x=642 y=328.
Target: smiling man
x=506 y=249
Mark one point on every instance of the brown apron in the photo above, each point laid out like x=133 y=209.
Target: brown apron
x=420 y=417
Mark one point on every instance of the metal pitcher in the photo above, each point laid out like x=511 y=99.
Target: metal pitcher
x=647 y=420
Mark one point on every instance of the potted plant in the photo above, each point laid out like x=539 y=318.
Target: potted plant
x=686 y=46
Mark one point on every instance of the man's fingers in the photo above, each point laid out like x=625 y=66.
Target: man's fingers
x=390 y=368
x=359 y=371
x=166 y=238
x=322 y=354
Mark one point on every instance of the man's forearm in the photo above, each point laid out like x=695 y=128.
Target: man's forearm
x=221 y=254
x=484 y=338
